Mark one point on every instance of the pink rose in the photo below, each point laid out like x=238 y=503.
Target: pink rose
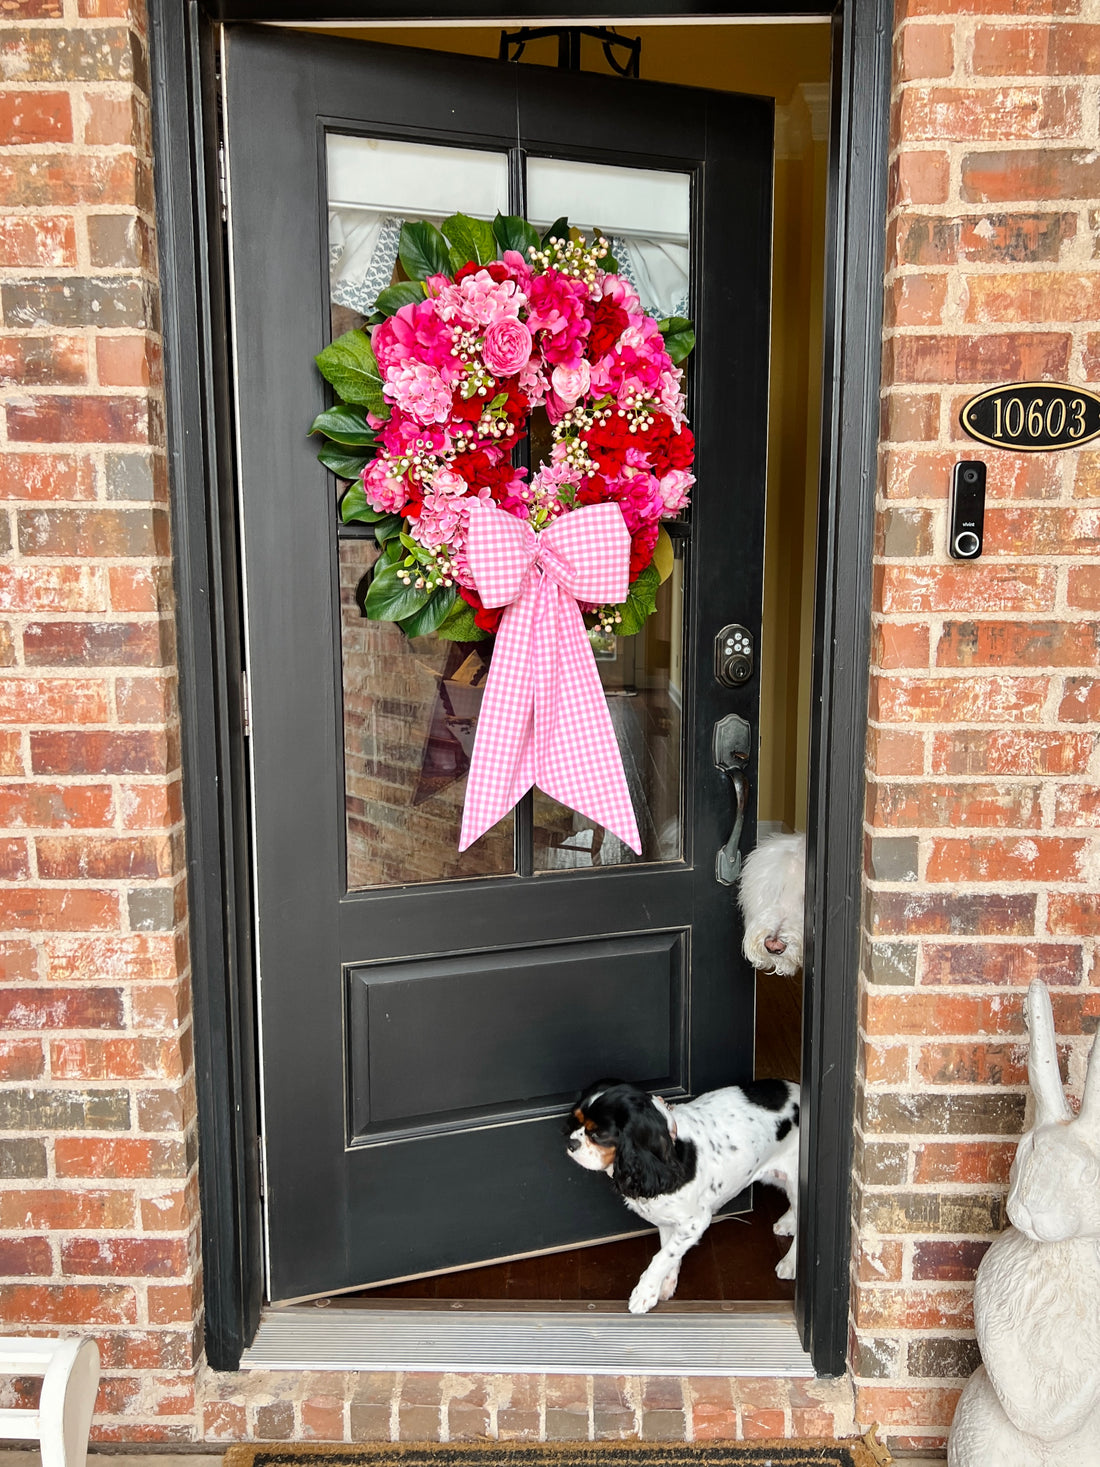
x=571 y=382
x=507 y=347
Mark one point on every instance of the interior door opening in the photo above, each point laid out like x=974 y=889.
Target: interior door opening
x=789 y=63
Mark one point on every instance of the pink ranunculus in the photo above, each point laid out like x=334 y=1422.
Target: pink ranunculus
x=507 y=347
x=383 y=491
x=420 y=391
x=447 y=483
x=570 y=383
x=675 y=488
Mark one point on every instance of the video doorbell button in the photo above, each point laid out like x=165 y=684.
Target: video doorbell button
x=964 y=536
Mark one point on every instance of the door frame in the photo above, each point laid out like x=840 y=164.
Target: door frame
x=213 y=700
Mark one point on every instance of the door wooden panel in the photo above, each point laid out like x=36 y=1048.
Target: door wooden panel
x=420 y=1038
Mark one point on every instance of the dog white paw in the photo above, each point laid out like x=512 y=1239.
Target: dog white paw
x=787 y=1225
x=784 y=1269
x=643 y=1298
x=668 y=1288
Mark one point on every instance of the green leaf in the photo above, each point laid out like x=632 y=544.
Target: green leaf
x=354 y=508
x=459 y=624
x=388 y=598
x=514 y=233
x=639 y=604
x=349 y=364
x=473 y=237
x=432 y=613
x=558 y=230
x=679 y=335
x=346 y=425
x=386 y=528
x=341 y=463
x=609 y=262
x=663 y=554
x=390 y=300
x=423 y=251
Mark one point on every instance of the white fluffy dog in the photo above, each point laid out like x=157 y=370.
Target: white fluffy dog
x=772 y=894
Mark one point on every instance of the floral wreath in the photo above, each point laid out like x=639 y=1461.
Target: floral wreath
x=435 y=392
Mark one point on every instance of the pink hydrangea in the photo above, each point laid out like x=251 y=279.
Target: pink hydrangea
x=675 y=489
x=420 y=391
x=479 y=300
x=417 y=332
x=555 y=306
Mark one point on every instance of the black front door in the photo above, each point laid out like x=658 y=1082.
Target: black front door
x=425 y=1016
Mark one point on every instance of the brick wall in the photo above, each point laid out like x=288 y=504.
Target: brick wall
x=97 y=1145
x=983 y=805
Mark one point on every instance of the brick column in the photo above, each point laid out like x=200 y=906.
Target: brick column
x=982 y=851
x=98 y=1212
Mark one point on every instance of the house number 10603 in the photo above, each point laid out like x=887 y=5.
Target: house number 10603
x=1027 y=417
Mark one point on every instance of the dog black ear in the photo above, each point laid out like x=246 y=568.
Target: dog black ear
x=646 y=1159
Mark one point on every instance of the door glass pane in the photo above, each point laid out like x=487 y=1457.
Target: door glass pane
x=646 y=216
x=410 y=706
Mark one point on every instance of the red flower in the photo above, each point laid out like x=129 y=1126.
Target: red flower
x=608 y=441
x=641 y=549
x=608 y=324
x=496 y=268
x=487 y=618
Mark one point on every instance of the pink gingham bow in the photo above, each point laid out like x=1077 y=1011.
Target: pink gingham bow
x=544 y=717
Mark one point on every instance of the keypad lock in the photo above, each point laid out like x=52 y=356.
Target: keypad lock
x=733 y=656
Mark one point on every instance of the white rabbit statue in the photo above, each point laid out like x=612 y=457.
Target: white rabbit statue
x=1035 y=1402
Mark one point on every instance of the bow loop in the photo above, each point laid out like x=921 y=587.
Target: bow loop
x=544 y=717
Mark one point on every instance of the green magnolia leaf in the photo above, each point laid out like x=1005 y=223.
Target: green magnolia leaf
x=390 y=300
x=679 y=335
x=432 y=613
x=663 y=554
x=473 y=237
x=349 y=364
x=340 y=462
x=387 y=528
x=640 y=601
x=354 y=508
x=388 y=598
x=558 y=230
x=423 y=251
x=514 y=233
x=346 y=425
x=459 y=624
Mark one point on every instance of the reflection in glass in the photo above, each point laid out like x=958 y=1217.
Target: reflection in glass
x=409 y=706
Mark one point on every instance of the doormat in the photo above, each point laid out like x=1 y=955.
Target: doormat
x=865 y=1452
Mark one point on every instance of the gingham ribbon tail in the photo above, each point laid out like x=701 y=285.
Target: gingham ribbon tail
x=544 y=718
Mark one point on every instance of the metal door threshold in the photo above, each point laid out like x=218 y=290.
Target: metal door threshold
x=748 y=1342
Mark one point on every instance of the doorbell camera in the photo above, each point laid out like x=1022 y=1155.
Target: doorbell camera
x=965 y=535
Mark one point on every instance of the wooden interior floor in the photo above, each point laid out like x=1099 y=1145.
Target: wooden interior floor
x=735 y=1260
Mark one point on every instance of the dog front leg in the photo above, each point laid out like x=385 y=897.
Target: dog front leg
x=660 y=1278
x=787 y=1227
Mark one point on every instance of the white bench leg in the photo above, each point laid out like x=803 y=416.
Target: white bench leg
x=67 y=1402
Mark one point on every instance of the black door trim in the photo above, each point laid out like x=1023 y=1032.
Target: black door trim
x=182 y=45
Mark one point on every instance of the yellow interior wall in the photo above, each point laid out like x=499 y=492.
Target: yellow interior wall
x=776 y=61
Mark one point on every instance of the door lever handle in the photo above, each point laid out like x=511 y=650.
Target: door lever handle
x=732 y=747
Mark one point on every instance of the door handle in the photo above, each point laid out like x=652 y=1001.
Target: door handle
x=732 y=747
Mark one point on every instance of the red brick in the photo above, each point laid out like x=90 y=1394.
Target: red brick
x=1006 y=356
x=91 y=1157
x=14 y=860
x=1034 y=50
x=973 y=1064
x=40 y=361
x=40 y=241
x=222 y=1421
x=11 y=755
x=991 y=7
x=61 y=1008
x=125 y=361
x=125 y=1257
x=1080 y=703
x=926 y=474
x=118 y=1059
x=59 y=180
x=21 y=1059
x=136 y=956
x=994 y=114
x=881 y=1261
x=920 y=178
x=150 y=807
x=111 y=120
x=1010 y=964
x=1031 y=296
x=80 y=420
x=964 y=1162
x=900 y=644
x=36 y=588
x=94 y=644
x=925 y=51
x=893 y=751
x=46 y=476
x=1019 y=644
x=54 y=910
x=1030 y=176
x=955 y=914
x=931 y=805
x=145 y=699
x=1076 y=913
x=916 y=300
x=1025 y=858
x=143 y=751
x=1083 y=587
x=60 y=807
x=762 y=1424
x=914 y=1309
x=1011 y=751
x=53 y=700
x=110 y=858
x=1086 y=475
x=66 y=1210
x=957 y=700
x=910 y=416
x=35 y=117
x=67 y=1304
x=1016 y=238
x=25 y=1257
x=18 y=962
x=323 y=1418
x=909 y=1406
x=137 y=589
x=95 y=532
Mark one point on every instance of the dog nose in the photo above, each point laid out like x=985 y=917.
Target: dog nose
x=775 y=945
x=572 y=1144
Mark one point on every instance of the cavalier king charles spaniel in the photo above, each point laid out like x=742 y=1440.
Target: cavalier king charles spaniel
x=677 y=1165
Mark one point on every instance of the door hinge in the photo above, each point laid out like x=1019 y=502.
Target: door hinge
x=223 y=188
x=246 y=705
x=262 y=1158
